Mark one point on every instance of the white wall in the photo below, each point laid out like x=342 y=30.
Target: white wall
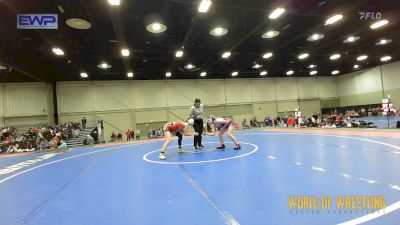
x=127 y=95
x=370 y=86
x=126 y=104
x=25 y=104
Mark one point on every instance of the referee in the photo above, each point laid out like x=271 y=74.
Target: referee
x=196 y=112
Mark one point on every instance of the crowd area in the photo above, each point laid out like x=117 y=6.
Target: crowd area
x=132 y=135
x=333 y=119
x=54 y=137
x=37 y=138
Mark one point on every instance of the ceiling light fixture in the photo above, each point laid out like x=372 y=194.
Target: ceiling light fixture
x=129 y=74
x=204 y=6
x=303 y=55
x=58 y=51
x=235 y=73
x=315 y=37
x=386 y=58
x=334 y=56
x=335 y=72
x=226 y=55
x=289 y=72
x=2 y=67
x=190 y=66
x=270 y=34
x=356 y=66
x=267 y=55
x=311 y=66
x=179 y=54
x=156 y=27
x=333 y=19
x=362 y=57
x=351 y=39
x=276 y=13
x=79 y=24
x=104 y=66
x=203 y=74
x=61 y=9
x=379 y=24
x=256 y=66
x=219 y=31
x=168 y=74
x=84 y=75
x=313 y=72
x=263 y=73
x=383 y=42
x=114 y=2
x=125 y=52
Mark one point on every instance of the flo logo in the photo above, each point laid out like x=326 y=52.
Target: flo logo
x=370 y=15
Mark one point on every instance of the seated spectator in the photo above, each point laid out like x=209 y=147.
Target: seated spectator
x=63 y=145
x=75 y=133
x=119 y=136
x=245 y=125
x=42 y=144
x=113 y=136
x=90 y=140
x=159 y=133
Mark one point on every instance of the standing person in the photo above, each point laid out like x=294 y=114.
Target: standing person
x=102 y=130
x=175 y=128
x=137 y=132
x=83 y=122
x=290 y=121
x=196 y=112
x=224 y=125
x=99 y=135
x=133 y=134
x=128 y=135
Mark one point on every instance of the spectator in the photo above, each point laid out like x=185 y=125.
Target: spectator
x=245 y=125
x=132 y=134
x=99 y=132
x=119 y=136
x=102 y=131
x=128 y=135
x=137 y=133
x=83 y=122
x=290 y=121
x=113 y=136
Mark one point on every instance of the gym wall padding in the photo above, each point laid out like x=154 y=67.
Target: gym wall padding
x=286 y=89
x=287 y=106
x=238 y=91
x=25 y=104
x=391 y=82
x=307 y=88
x=263 y=90
x=370 y=86
x=127 y=103
x=309 y=107
x=261 y=110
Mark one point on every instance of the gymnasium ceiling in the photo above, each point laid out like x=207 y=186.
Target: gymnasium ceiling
x=27 y=54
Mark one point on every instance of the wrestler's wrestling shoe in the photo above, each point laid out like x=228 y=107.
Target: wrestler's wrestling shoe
x=237 y=147
x=162 y=156
x=181 y=150
x=221 y=147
